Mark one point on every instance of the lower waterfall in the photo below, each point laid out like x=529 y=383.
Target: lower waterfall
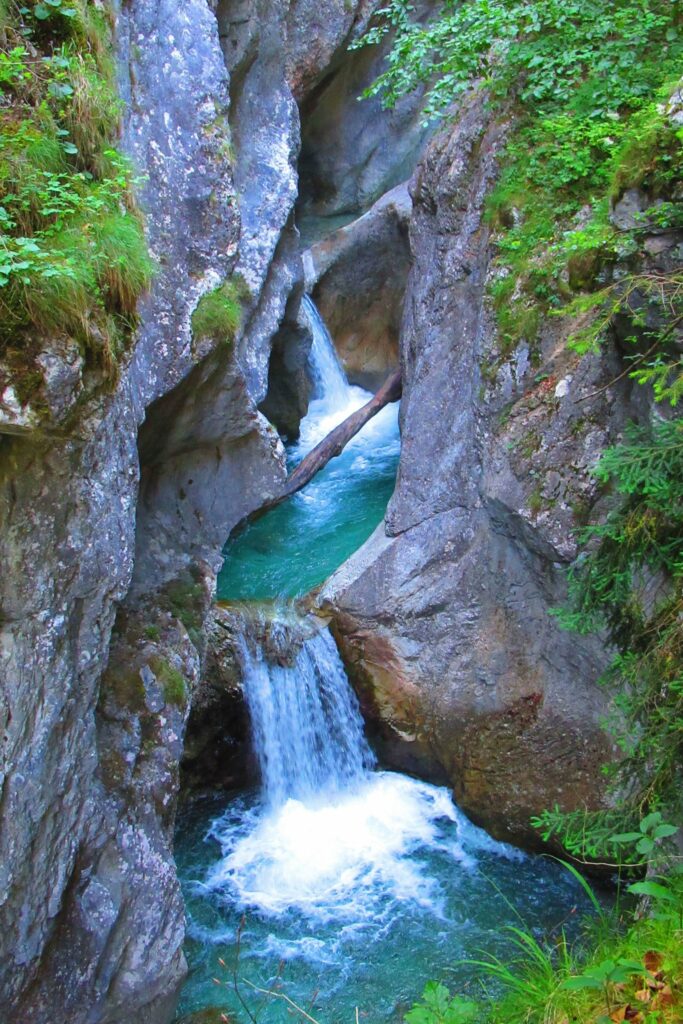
x=306 y=727
x=341 y=885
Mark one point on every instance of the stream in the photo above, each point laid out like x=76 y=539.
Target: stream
x=274 y=556
x=343 y=886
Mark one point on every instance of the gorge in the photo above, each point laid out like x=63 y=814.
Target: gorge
x=368 y=651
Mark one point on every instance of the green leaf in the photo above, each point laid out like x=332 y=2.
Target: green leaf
x=581 y=982
x=664 y=831
x=41 y=12
x=653 y=889
x=626 y=837
x=649 y=821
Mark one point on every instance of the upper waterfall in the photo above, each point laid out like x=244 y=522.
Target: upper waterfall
x=329 y=380
x=295 y=546
x=333 y=397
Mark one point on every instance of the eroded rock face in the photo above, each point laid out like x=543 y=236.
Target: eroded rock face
x=358 y=278
x=111 y=531
x=353 y=152
x=443 y=616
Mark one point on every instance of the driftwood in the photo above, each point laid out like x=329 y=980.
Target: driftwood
x=335 y=441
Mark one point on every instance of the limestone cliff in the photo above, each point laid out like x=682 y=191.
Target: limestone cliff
x=443 y=616
x=115 y=503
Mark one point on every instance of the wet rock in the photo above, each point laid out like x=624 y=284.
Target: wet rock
x=289 y=377
x=358 y=277
x=353 y=152
x=217 y=751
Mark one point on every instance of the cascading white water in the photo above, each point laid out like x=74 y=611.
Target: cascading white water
x=330 y=837
x=333 y=397
x=329 y=380
x=306 y=726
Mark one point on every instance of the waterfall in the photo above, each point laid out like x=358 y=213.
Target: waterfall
x=327 y=835
x=333 y=397
x=306 y=725
x=329 y=380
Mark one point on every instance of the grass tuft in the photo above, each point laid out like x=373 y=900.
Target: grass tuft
x=73 y=257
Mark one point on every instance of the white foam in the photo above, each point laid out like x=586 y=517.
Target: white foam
x=334 y=398
x=342 y=859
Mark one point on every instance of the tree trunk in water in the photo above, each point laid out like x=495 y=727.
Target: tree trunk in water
x=336 y=441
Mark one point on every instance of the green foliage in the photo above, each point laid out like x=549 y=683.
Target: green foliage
x=596 y=56
x=73 y=256
x=586 y=87
x=630 y=583
x=438 y=1007
x=627 y=968
x=219 y=312
x=589 y=835
x=651 y=829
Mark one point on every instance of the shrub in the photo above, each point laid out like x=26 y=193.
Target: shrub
x=586 y=88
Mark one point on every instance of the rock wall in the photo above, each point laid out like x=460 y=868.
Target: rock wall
x=115 y=503
x=358 y=276
x=443 y=616
x=352 y=153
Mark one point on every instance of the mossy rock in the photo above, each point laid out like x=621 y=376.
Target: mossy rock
x=171 y=680
x=218 y=314
x=186 y=598
x=126 y=686
x=114 y=769
x=583 y=269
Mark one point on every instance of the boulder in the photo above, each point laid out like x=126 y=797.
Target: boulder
x=358 y=277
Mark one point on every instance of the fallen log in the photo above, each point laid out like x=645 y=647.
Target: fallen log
x=335 y=442
x=337 y=439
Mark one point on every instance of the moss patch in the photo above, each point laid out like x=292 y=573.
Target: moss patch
x=126 y=686
x=218 y=314
x=171 y=680
x=74 y=258
x=186 y=599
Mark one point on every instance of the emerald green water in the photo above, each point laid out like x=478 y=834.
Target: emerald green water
x=296 y=545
